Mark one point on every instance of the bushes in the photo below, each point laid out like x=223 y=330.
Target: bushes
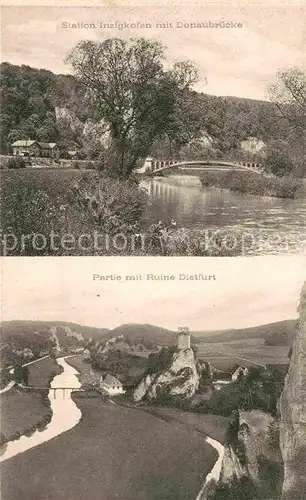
x=161 y=361
x=271 y=474
x=236 y=489
x=251 y=183
x=16 y=162
x=273 y=434
x=112 y=204
x=259 y=389
x=232 y=439
x=70 y=205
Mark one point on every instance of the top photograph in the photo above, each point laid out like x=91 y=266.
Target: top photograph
x=173 y=130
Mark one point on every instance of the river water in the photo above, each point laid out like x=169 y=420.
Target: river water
x=65 y=413
x=183 y=199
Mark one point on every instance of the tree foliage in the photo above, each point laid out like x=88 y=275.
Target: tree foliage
x=127 y=105
x=129 y=88
x=289 y=95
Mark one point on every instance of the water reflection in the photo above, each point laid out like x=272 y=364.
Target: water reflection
x=192 y=206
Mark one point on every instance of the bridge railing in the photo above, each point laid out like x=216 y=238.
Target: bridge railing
x=157 y=165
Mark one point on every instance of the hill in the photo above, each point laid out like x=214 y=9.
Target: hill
x=150 y=333
x=19 y=328
x=44 y=106
x=27 y=340
x=279 y=333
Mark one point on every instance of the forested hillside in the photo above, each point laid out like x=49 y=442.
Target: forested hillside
x=40 y=105
x=29 y=98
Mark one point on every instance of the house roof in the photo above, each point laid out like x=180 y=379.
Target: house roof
x=23 y=143
x=110 y=379
x=236 y=367
x=29 y=142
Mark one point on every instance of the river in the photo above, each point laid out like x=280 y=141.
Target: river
x=65 y=413
x=183 y=199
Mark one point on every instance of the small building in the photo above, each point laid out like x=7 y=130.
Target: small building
x=237 y=371
x=25 y=148
x=111 y=385
x=30 y=148
x=53 y=148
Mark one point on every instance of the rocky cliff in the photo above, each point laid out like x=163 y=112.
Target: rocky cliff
x=179 y=378
x=85 y=131
x=293 y=414
x=242 y=455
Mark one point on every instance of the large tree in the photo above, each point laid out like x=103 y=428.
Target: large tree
x=129 y=88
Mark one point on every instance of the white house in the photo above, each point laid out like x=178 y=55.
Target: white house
x=32 y=148
x=111 y=385
x=238 y=370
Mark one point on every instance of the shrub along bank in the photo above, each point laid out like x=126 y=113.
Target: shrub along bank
x=251 y=183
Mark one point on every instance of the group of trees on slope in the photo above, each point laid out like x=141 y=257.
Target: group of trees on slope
x=123 y=87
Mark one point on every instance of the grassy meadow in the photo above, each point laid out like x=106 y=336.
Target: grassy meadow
x=264 y=344
x=224 y=355
x=113 y=453
x=23 y=411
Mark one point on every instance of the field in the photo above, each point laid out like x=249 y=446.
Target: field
x=23 y=410
x=46 y=177
x=213 y=426
x=114 y=453
x=225 y=355
x=263 y=345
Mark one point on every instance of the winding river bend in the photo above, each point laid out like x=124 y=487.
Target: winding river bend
x=65 y=413
x=183 y=199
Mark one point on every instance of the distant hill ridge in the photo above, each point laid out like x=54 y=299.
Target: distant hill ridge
x=24 y=327
x=278 y=333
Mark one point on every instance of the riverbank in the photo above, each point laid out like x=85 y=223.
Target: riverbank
x=113 y=453
x=86 y=372
x=248 y=182
x=23 y=411
x=124 y=219
x=214 y=426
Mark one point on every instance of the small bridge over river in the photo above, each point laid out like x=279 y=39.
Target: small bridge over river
x=152 y=166
x=57 y=391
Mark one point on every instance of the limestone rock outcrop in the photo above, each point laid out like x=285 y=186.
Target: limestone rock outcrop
x=179 y=378
x=293 y=414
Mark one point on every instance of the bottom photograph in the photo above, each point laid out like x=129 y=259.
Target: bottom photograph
x=153 y=379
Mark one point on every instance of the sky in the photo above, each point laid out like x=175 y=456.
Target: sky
x=247 y=291
x=232 y=61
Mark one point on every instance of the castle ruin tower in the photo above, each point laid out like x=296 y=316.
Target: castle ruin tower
x=183 y=338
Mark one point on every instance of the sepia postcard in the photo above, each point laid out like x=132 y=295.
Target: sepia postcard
x=153 y=129
x=137 y=138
